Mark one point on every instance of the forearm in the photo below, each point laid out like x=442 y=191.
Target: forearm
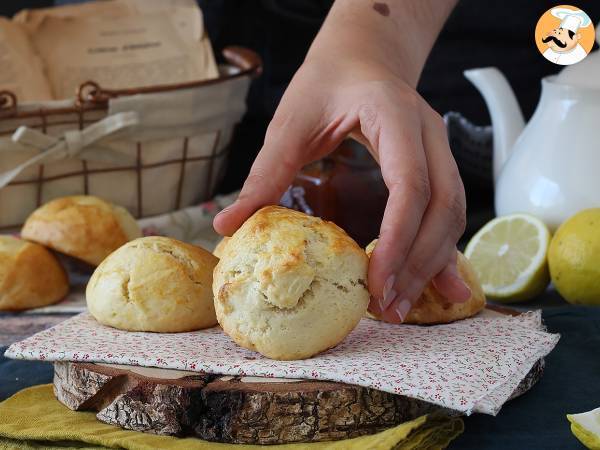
x=396 y=33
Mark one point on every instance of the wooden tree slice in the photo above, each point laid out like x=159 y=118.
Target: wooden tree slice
x=135 y=398
x=250 y=410
x=243 y=410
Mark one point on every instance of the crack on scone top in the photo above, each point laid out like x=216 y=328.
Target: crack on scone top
x=341 y=287
x=165 y=250
x=62 y=206
x=307 y=224
x=312 y=235
x=318 y=236
x=344 y=288
x=126 y=288
x=300 y=304
x=234 y=273
x=360 y=282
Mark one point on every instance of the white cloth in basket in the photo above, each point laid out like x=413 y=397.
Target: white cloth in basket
x=168 y=151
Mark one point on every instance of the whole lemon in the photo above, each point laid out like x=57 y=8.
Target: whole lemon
x=574 y=258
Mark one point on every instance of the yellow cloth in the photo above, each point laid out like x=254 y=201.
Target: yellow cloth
x=34 y=419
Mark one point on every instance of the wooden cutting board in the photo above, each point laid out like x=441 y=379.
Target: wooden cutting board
x=241 y=410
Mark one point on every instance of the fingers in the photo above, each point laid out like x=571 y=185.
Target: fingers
x=272 y=172
x=296 y=129
x=393 y=132
x=450 y=285
x=306 y=126
x=441 y=226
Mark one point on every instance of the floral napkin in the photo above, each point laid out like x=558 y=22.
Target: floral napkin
x=473 y=365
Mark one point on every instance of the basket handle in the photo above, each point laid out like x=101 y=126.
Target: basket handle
x=244 y=59
x=8 y=103
x=247 y=61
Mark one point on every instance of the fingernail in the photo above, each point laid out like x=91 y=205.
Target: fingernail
x=466 y=290
x=389 y=294
x=380 y=304
x=460 y=285
x=374 y=305
x=403 y=308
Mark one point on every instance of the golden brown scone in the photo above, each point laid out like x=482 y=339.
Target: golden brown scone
x=30 y=276
x=154 y=284
x=432 y=308
x=289 y=285
x=82 y=226
x=220 y=248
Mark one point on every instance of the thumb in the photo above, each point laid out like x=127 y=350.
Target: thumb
x=282 y=155
x=266 y=183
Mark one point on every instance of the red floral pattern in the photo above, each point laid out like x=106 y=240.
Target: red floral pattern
x=471 y=366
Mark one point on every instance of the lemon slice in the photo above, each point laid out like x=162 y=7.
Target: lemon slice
x=586 y=427
x=509 y=255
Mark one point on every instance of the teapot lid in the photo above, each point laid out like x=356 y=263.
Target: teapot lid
x=585 y=73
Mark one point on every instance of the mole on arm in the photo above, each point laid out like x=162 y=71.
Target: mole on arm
x=382 y=8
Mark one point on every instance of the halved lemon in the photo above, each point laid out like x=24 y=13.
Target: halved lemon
x=509 y=255
x=586 y=426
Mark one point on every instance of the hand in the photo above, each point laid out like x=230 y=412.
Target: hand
x=350 y=91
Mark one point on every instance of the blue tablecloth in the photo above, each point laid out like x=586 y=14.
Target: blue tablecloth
x=571 y=384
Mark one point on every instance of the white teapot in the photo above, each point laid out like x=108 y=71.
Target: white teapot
x=550 y=167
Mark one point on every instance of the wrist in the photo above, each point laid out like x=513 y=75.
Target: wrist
x=354 y=49
x=398 y=34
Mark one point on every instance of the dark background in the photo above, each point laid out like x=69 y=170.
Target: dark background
x=477 y=34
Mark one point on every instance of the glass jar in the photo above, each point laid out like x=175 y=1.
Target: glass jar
x=346 y=188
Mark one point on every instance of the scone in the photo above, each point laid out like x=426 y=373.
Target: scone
x=289 y=285
x=432 y=308
x=154 y=284
x=30 y=276
x=220 y=248
x=84 y=227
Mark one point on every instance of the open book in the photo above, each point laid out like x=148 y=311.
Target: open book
x=47 y=53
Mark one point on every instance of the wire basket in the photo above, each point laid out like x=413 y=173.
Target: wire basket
x=151 y=149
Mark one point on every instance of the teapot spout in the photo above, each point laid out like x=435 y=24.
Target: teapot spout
x=507 y=118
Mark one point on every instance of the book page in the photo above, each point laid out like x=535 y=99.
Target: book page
x=32 y=18
x=121 y=44
x=21 y=71
x=118 y=53
x=184 y=14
